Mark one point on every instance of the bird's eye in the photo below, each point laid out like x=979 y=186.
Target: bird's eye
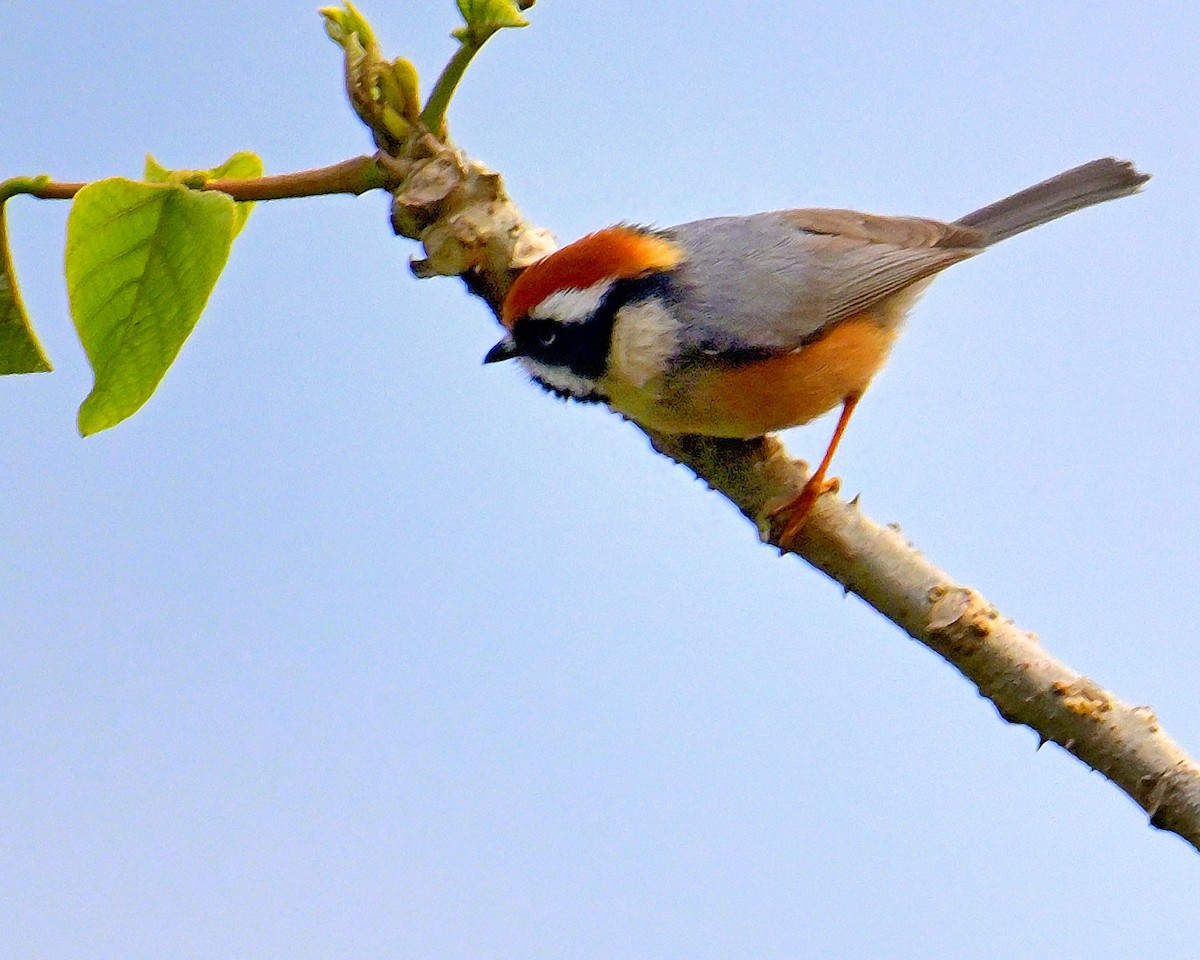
x=539 y=333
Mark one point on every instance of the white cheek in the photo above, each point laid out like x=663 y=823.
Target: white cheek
x=645 y=343
x=561 y=379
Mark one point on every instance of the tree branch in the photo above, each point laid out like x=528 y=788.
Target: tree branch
x=1008 y=665
x=355 y=176
x=470 y=228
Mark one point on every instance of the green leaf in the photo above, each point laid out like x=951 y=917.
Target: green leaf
x=485 y=17
x=408 y=85
x=241 y=166
x=142 y=260
x=342 y=25
x=20 y=351
x=155 y=171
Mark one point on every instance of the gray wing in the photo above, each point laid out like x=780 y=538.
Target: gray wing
x=771 y=282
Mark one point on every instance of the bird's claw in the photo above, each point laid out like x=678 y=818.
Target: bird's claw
x=788 y=520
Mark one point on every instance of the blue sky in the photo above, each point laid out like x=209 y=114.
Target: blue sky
x=347 y=646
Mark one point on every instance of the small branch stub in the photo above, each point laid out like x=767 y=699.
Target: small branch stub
x=463 y=217
x=456 y=208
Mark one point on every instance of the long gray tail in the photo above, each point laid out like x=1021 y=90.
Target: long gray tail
x=1081 y=187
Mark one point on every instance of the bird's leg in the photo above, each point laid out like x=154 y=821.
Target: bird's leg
x=788 y=520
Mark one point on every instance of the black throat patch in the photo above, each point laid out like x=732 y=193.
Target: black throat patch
x=582 y=347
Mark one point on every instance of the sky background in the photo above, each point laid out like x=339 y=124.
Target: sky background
x=348 y=646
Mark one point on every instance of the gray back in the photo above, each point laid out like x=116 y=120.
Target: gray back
x=772 y=282
x=769 y=283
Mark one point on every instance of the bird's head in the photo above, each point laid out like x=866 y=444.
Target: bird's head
x=560 y=314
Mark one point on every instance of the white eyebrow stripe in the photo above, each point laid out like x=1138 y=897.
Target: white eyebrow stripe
x=573 y=305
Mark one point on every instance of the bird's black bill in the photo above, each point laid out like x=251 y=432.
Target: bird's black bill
x=506 y=349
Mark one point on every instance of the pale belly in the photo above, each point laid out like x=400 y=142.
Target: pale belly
x=758 y=398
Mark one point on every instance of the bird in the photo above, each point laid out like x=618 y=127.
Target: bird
x=740 y=326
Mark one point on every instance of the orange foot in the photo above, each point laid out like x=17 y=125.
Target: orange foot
x=788 y=520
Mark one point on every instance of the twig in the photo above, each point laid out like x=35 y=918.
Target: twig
x=355 y=176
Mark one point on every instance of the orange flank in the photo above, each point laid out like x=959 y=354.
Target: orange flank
x=615 y=253
x=784 y=391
